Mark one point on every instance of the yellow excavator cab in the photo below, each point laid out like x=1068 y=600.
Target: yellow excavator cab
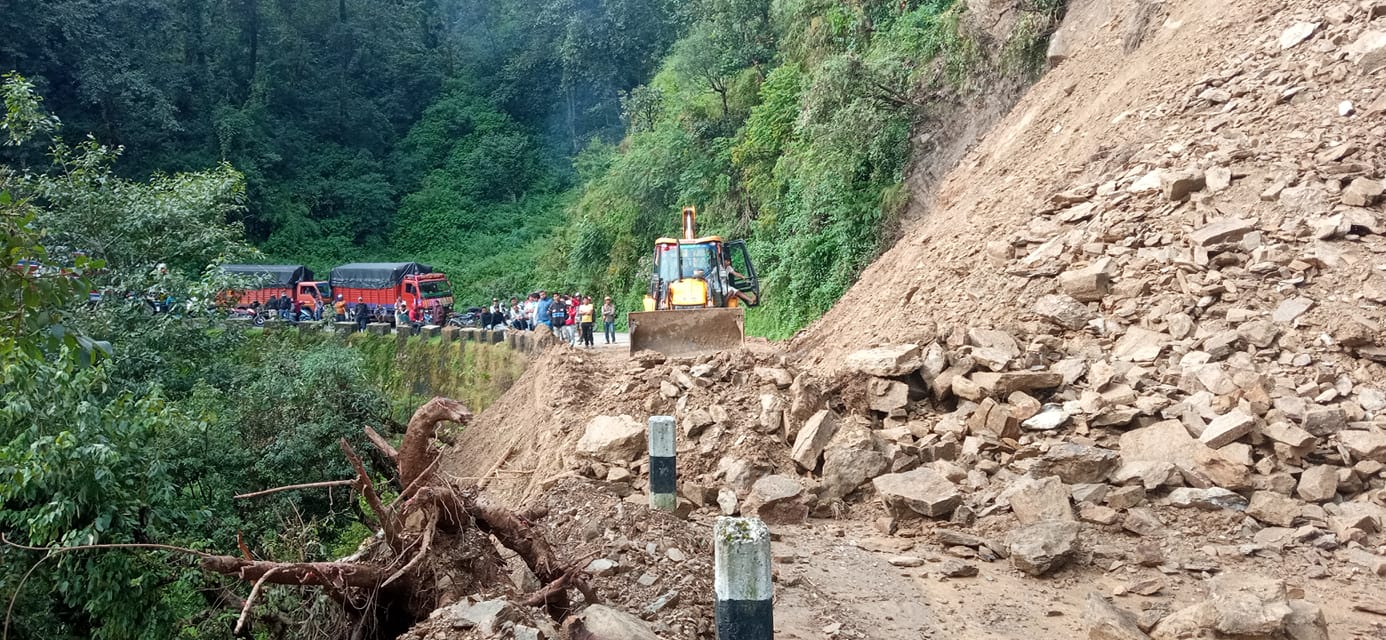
x=694 y=304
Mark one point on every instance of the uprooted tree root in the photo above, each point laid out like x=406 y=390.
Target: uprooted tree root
x=434 y=545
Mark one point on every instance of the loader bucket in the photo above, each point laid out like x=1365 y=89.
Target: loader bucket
x=685 y=332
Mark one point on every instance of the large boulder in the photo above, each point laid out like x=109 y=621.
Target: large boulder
x=776 y=499
x=887 y=361
x=1077 y=463
x=604 y=623
x=1248 y=605
x=1106 y=622
x=613 y=439
x=852 y=458
x=813 y=437
x=921 y=491
x=1039 y=499
x=1043 y=547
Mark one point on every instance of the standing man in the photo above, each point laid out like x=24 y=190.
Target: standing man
x=541 y=310
x=609 y=320
x=340 y=307
x=585 y=321
x=363 y=314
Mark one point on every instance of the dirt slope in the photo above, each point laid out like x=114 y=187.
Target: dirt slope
x=1108 y=114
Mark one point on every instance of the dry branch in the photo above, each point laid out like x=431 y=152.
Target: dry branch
x=250 y=601
x=331 y=574
x=382 y=445
x=307 y=485
x=367 y=488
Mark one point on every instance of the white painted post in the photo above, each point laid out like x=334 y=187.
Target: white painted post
x=741 y=579
x=663 y=469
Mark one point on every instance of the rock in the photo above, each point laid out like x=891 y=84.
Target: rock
x=781 y=378
x=1125 y=497
x=813 y=437
x=1369 y=50
x=739 y=473
x=1306 y=622
x=886 y=395
x=1064 y=311
x=1143 y=522
x=1004 y=384
x=1247 y=604
x=851 y=459
x=726 y=501
x=1178 y=185
x=1037 y=500
x=1273 y=508
x=1364 y=445
x=1227 y=428
x=772 y=409
x=601 y=567
x=696 y=422
x=1106 y=622
x=1362 y=192
x=604 y=623
x=1373 y=563
x=1192 y=622
x=993 y=418
x=1288 y=434
x=613 y=439
x=950 y=568
x=1218 y=178
x=1297 y=33
x=1260 y=333
x=1098 y=514
x=1140 y=345
x=886 y=361
x=1077 y=464
x=1051 y=417
x=994 y=339
x=1318 y=484
x=1291 y=309
x=1325 y=421
x=668 y=389
x=1086 y=285
x=1209 y=499
x=805 y=397
x=487 y=617
x=907 y=562
x=922 y=491
x=1166 y=441
x=777 y=500
x=1221 y=231
x=1043 y=547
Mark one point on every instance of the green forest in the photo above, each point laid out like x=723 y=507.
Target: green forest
x=513 y=145
x=525 y=145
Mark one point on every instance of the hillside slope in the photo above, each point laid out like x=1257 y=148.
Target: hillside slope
x=1146 y=87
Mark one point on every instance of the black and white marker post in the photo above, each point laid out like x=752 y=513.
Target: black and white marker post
x=663 y=471
x=741 y=579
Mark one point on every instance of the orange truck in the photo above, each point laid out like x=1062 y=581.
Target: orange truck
x=293 y=280
x=381 y=284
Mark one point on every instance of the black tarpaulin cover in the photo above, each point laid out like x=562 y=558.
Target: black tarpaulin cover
x=375 y=275
x=274 y=275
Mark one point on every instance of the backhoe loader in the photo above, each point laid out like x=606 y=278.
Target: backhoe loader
x=698 y=293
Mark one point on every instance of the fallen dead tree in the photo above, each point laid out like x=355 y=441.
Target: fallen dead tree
x=434 y=544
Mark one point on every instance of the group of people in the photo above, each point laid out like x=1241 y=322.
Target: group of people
x=572 y=318
x=292 y=310
x=418 y=315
